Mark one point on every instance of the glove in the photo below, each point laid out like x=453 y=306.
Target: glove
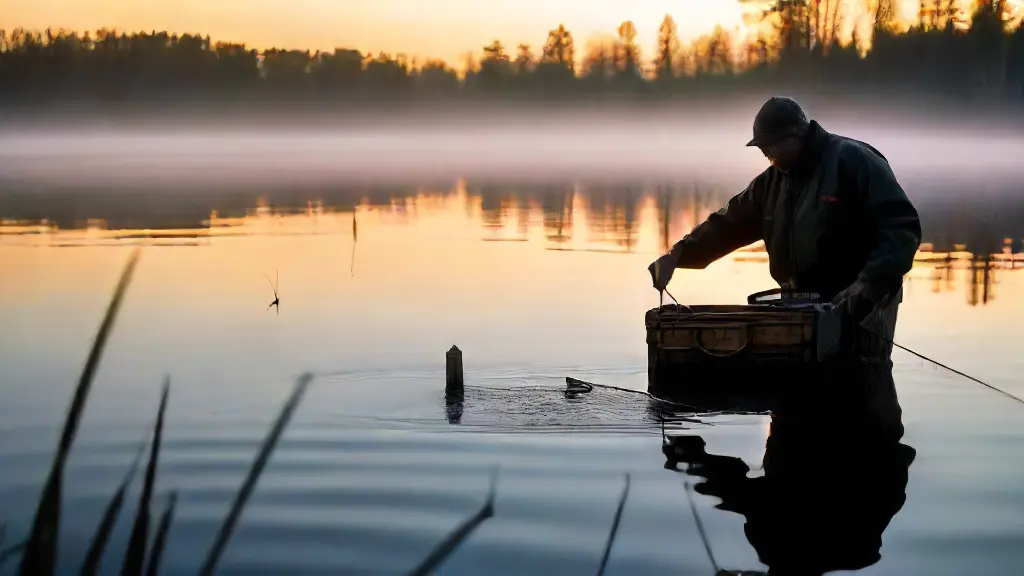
x=856 y=301
x=662 y=269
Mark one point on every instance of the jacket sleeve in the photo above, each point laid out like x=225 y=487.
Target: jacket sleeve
x=736 y=225
x=896 y=224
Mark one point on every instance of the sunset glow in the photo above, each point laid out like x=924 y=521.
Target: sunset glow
x=447 y=29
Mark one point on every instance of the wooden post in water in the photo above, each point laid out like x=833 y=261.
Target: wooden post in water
x=453 y=386
x=453 y=371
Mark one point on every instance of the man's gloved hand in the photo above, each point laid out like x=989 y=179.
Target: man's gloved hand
x=856 y=301
x=662 y=269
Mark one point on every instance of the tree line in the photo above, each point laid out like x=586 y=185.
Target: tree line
x=949 y=52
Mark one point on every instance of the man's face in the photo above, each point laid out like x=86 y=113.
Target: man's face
x=784 y=154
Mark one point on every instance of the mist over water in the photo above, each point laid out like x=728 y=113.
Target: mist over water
x=705 y=143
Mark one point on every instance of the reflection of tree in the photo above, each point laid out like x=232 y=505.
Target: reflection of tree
x=664 y=210
x=982 y=278
x=500 y=202
x=598 y=202
x=521 y=207
x=945 y=53
x=626 y=225
x=611 y=209
x=978 y=270
x=556 y=203
x=491 y=205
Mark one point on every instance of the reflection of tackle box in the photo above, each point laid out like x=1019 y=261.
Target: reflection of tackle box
x=777 y=328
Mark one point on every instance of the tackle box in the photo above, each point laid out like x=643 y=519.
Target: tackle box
x=776 y=329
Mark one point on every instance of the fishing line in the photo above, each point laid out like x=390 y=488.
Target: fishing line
x=579 y=386
x=941 y=365
x=575 y=385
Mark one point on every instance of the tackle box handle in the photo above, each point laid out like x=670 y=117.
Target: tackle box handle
x=700 y=345
x=784 y=295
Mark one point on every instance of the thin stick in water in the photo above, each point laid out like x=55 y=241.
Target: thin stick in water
x=269 y=443
x=443 y=550
x=615 y=528
x=273 y=286
x=355 y=238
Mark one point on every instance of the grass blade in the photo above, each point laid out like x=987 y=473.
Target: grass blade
x=615 y=528
x=135 y=556
x=10 y=552
x=269 y=443
x=160 y=540
x=40 y=555
x=431 y=562
x=93 y=558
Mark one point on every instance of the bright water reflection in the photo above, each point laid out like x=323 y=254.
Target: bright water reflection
x=534 y=283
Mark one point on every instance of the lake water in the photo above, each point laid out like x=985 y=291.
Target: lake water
x=534 y=282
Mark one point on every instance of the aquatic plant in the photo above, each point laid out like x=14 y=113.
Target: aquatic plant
x=39 y=550
x=452 y=541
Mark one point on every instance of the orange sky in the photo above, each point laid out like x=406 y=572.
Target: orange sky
x=439 y=28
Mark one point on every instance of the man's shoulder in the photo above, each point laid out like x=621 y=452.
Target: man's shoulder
x=856 y=159
x=765 y=178
x=855 y=151
x=758 y=187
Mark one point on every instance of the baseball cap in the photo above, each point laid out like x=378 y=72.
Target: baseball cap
x=778 y=117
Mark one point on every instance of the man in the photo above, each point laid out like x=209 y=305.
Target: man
x=832 y=216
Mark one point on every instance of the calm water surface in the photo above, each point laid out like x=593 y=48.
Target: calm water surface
x=533 y=283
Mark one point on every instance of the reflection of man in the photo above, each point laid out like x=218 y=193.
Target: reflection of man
x=833 y=218
x=835 y=474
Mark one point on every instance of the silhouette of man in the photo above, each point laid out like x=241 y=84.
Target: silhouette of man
x=835 y=474
x=833 y=218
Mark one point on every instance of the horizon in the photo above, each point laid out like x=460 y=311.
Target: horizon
x=398 y=26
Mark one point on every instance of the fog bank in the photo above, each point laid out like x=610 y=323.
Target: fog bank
x=585 y=143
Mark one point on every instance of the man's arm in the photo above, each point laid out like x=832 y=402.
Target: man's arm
x=896 y=223
x=737 y=224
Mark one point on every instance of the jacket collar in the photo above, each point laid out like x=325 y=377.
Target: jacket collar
x=814 y=145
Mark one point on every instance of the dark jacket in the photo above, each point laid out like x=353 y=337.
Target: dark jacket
x=838 y=217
